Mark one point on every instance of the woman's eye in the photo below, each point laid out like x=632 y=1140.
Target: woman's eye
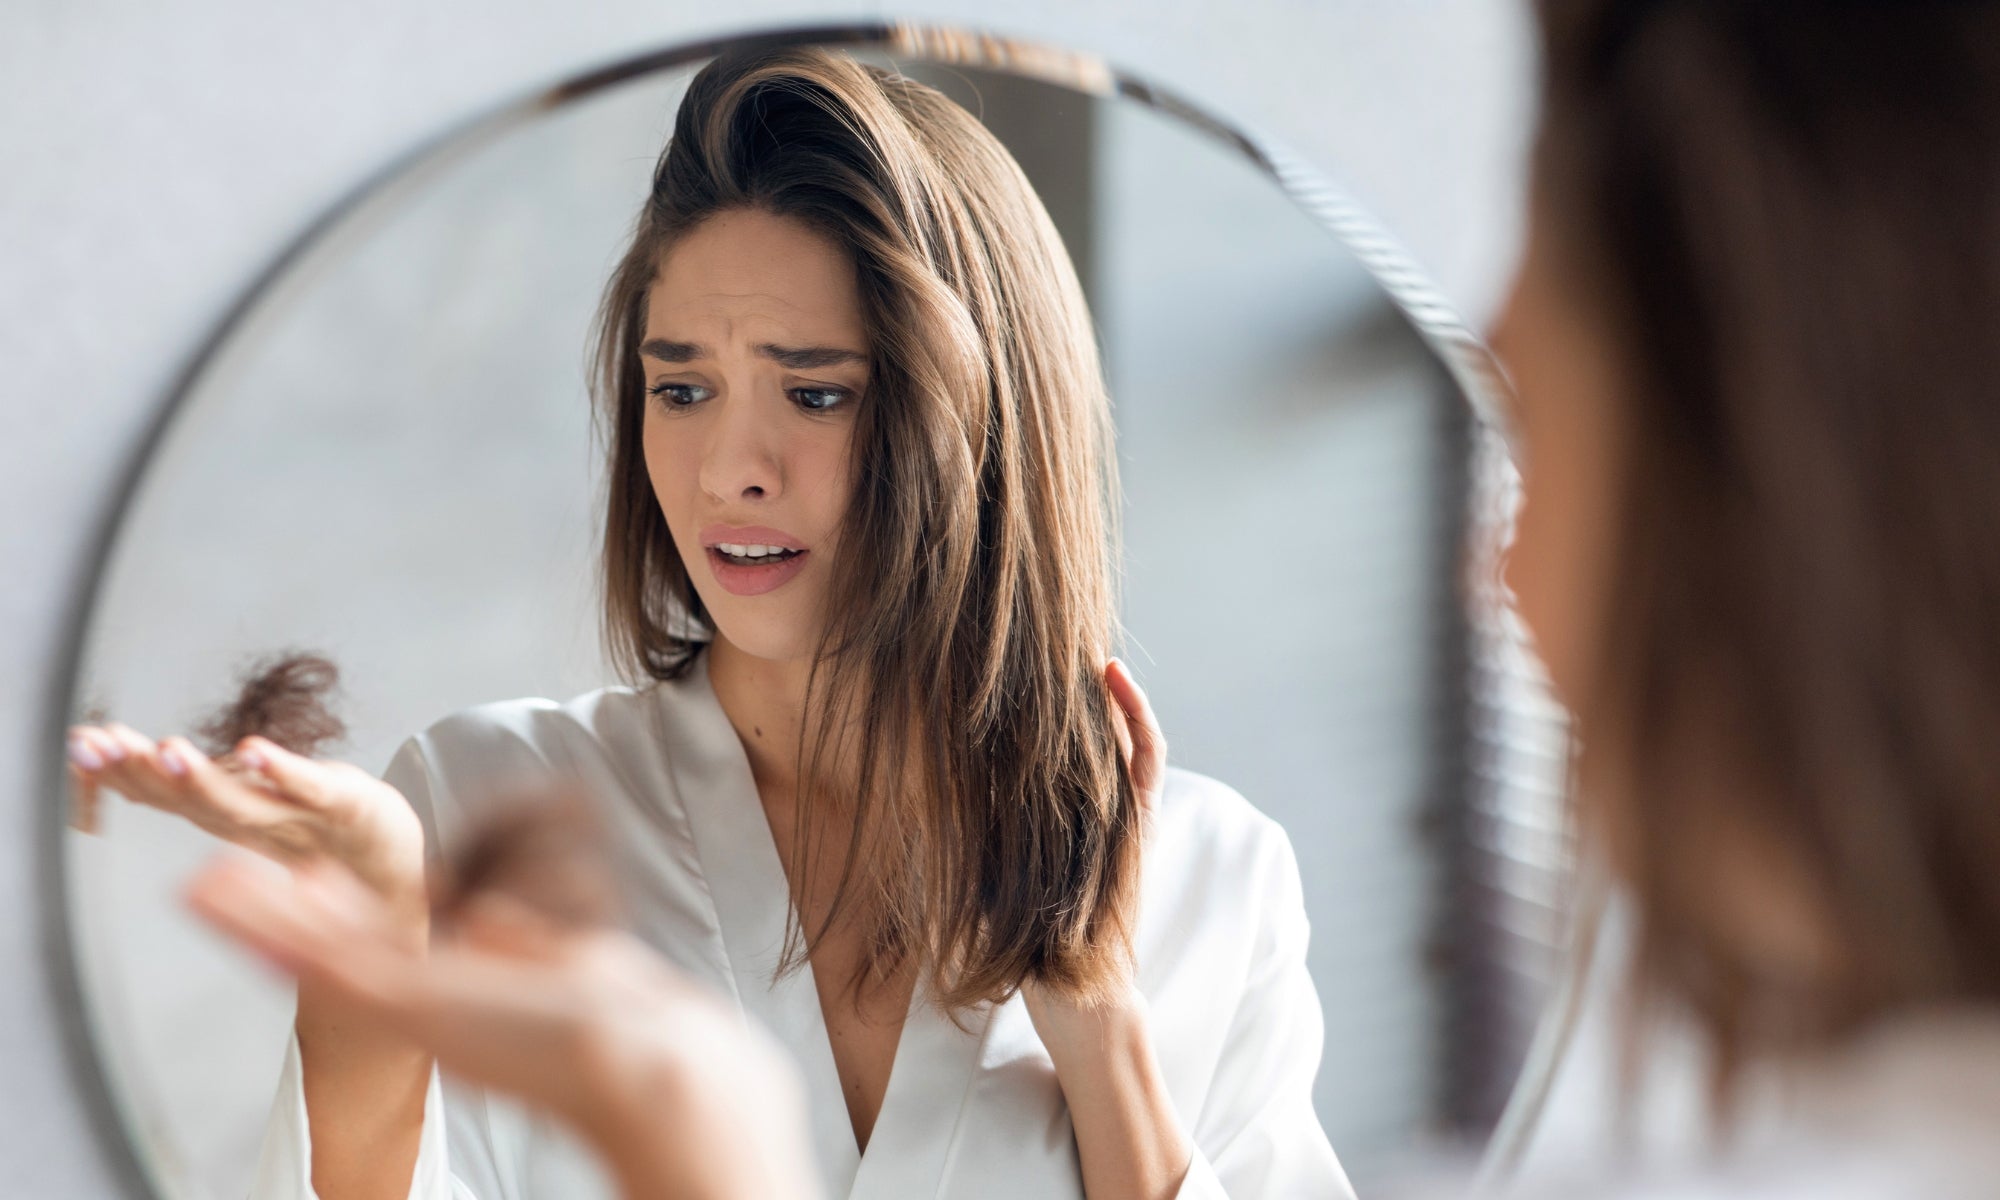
x=678 y=395
x=818 y=399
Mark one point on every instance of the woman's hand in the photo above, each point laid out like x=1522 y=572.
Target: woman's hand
x=1129 y=1139
x=669 y=1084
x=1063 y=1024
x=1139 y=738
x=263 y=798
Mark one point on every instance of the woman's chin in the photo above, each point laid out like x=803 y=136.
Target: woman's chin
x=770 y=640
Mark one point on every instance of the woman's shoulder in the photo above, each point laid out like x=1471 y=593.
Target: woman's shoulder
x=617 y=744
x=1207 y=826
x=529 y=717
x=612 y=715
x=539 y=725
x=1220 y=906
x=604 y=737
x=1214 y=863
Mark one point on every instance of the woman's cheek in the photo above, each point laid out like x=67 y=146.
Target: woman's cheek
x=1555 y=569
x=1559 y=565
x=671 y=478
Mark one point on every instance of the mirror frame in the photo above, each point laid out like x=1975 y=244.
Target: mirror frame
x=1477 y=374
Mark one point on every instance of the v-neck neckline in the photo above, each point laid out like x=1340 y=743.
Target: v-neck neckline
x=936 y=1058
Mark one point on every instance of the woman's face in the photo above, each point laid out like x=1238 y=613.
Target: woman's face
x=756 y=358
x=1560 y=355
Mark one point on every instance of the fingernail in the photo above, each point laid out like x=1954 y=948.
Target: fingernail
x=252 y=758
x=173 y=760
x=83 y=756
x=114 y=750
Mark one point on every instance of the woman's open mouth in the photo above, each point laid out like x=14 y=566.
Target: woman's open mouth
x=754 y=556
x=749 y=568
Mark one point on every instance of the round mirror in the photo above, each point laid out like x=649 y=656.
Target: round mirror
x=387 y=456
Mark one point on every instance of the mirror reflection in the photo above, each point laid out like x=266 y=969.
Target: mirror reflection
x=979 y=557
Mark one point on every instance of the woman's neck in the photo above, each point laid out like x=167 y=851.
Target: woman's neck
x=765 y=701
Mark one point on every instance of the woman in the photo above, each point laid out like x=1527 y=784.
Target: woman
x=1760 y=554
x=858 y=546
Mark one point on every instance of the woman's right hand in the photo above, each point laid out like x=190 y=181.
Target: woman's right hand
x=264 y=798
x=664 y=1079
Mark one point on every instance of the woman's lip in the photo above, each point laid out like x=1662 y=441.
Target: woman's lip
x=748 y=535
x=740 y=580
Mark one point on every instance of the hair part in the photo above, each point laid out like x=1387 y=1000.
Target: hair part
x=980 y=807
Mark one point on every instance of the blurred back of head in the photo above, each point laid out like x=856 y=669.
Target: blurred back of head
x=1790 y=214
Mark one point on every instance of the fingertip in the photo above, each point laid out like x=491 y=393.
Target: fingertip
x=200 y=891
x=111 y=747
x=241 y=895
x=217 y=890
x=232 y=863
x=1122 y=677
x=82 y=755
x=118 y=742
x=254 y=754
x=180 y=757
x=1131 y=698
x=173 y=761
x=274 y=759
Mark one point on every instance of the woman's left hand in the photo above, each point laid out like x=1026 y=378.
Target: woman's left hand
x=1129 y=1139
x=1139 y=738
x=1060 y=1022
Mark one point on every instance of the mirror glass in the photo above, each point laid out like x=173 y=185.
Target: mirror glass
x=388 y=458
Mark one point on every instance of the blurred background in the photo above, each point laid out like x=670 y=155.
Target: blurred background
x=412 y=393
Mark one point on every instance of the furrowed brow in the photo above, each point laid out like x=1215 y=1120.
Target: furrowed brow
x=672 y=352
x=807 y=358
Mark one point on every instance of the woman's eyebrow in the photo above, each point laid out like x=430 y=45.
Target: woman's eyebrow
x=797 y=358
x=672 y=352
x=806 y=358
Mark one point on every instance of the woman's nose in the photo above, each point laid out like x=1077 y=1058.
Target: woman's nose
x=741 y=461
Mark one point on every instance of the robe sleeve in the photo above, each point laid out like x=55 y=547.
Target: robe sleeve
x=1257 y=1137
x=284 y=1162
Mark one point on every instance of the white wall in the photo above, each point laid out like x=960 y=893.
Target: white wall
x=155 y=156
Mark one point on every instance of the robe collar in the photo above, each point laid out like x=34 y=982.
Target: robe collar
x=936 y=1059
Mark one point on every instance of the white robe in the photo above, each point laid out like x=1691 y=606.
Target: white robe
x=1905 y=1109
x=969 y=1113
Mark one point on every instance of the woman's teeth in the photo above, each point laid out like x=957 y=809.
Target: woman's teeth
x=753 y=555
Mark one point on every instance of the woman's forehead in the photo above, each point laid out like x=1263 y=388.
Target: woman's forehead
x=751 y=275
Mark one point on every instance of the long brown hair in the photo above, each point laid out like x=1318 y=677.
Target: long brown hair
x=994 y=829
x=1792 y=214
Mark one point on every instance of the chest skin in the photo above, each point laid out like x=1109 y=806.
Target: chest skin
x=863 y=1025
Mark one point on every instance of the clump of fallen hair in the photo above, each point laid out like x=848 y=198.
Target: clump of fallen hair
x=284 y=699
x=544 y=851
